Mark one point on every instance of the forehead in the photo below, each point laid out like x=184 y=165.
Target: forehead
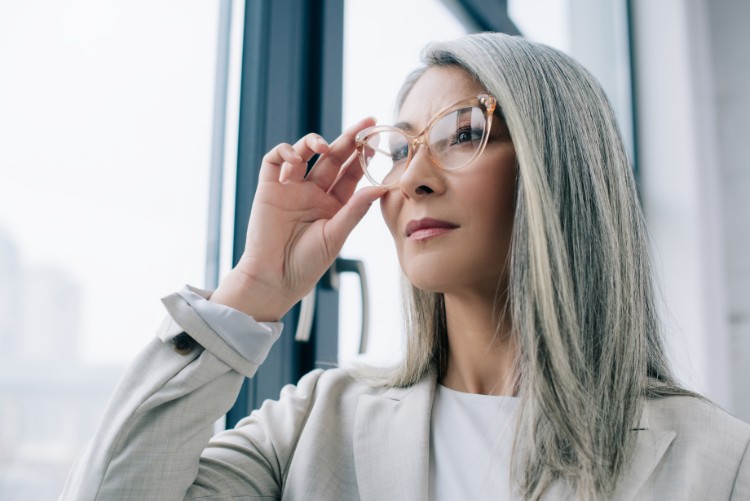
x=436 y=89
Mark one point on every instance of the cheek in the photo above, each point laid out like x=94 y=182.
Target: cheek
x=500 y=191
x=494 y=197
x=493 y=204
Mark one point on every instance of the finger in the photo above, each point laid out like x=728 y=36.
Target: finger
x=271 y=163
x=328 y=165
x=308 y=146
x=339 y=227
x=347 y=179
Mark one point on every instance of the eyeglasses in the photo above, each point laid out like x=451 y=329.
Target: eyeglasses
x=454 y=137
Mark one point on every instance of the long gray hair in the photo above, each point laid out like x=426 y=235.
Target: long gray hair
x=579 y=291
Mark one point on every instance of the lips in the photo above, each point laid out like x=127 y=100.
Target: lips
x=427 y=227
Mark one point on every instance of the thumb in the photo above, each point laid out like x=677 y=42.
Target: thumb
x=343 y=222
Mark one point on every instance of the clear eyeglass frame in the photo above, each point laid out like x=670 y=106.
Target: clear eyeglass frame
x=484 y=102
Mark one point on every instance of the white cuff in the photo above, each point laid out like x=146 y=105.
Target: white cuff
x=234 y=337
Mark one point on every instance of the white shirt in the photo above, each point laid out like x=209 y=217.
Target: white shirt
x=471 y=437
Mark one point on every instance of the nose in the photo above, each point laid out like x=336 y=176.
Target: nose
x=422 y=176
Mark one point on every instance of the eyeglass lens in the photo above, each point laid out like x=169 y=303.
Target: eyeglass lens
x=453 y=140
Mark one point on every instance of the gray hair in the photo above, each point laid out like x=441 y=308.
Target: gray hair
x=580 y=292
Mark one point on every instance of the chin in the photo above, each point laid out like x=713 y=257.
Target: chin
x=431 y=272
x=432 y=277
x=427 y=281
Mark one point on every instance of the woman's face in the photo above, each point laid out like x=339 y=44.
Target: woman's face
x=464 y=217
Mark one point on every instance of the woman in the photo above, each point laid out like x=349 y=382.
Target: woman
x=534 y=368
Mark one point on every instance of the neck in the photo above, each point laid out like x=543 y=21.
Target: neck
x=481 y=350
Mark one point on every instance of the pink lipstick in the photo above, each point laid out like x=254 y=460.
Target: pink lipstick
x=427 y=227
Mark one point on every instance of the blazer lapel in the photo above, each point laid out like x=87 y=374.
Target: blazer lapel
x=650 y=447
x=391 y=442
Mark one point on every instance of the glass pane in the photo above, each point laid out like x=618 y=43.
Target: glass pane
x=370 y=89
x=105 y=131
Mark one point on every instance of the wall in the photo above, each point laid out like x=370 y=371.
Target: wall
x=729 y=40
x=692 y=155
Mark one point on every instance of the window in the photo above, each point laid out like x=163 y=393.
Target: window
x=105 y=147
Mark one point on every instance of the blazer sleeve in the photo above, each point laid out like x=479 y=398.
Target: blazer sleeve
x=160 y=418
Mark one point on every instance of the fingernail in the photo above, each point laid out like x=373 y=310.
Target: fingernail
x=322 y=141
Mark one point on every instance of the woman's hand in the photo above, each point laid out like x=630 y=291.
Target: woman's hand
x=297 y=224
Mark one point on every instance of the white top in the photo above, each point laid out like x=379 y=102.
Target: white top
x=471 y=437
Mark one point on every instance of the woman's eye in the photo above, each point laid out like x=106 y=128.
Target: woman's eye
x=398 y=154
x=465 y=135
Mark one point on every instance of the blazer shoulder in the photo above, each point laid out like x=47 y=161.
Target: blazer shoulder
x=368 y=380
x=704 y=432
x=694 y=415
x=343 y=386
x=706 y=452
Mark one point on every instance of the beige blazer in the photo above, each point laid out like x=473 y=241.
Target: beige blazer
x=332 y=437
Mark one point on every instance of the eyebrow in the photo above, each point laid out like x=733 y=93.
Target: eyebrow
x=403 y=126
